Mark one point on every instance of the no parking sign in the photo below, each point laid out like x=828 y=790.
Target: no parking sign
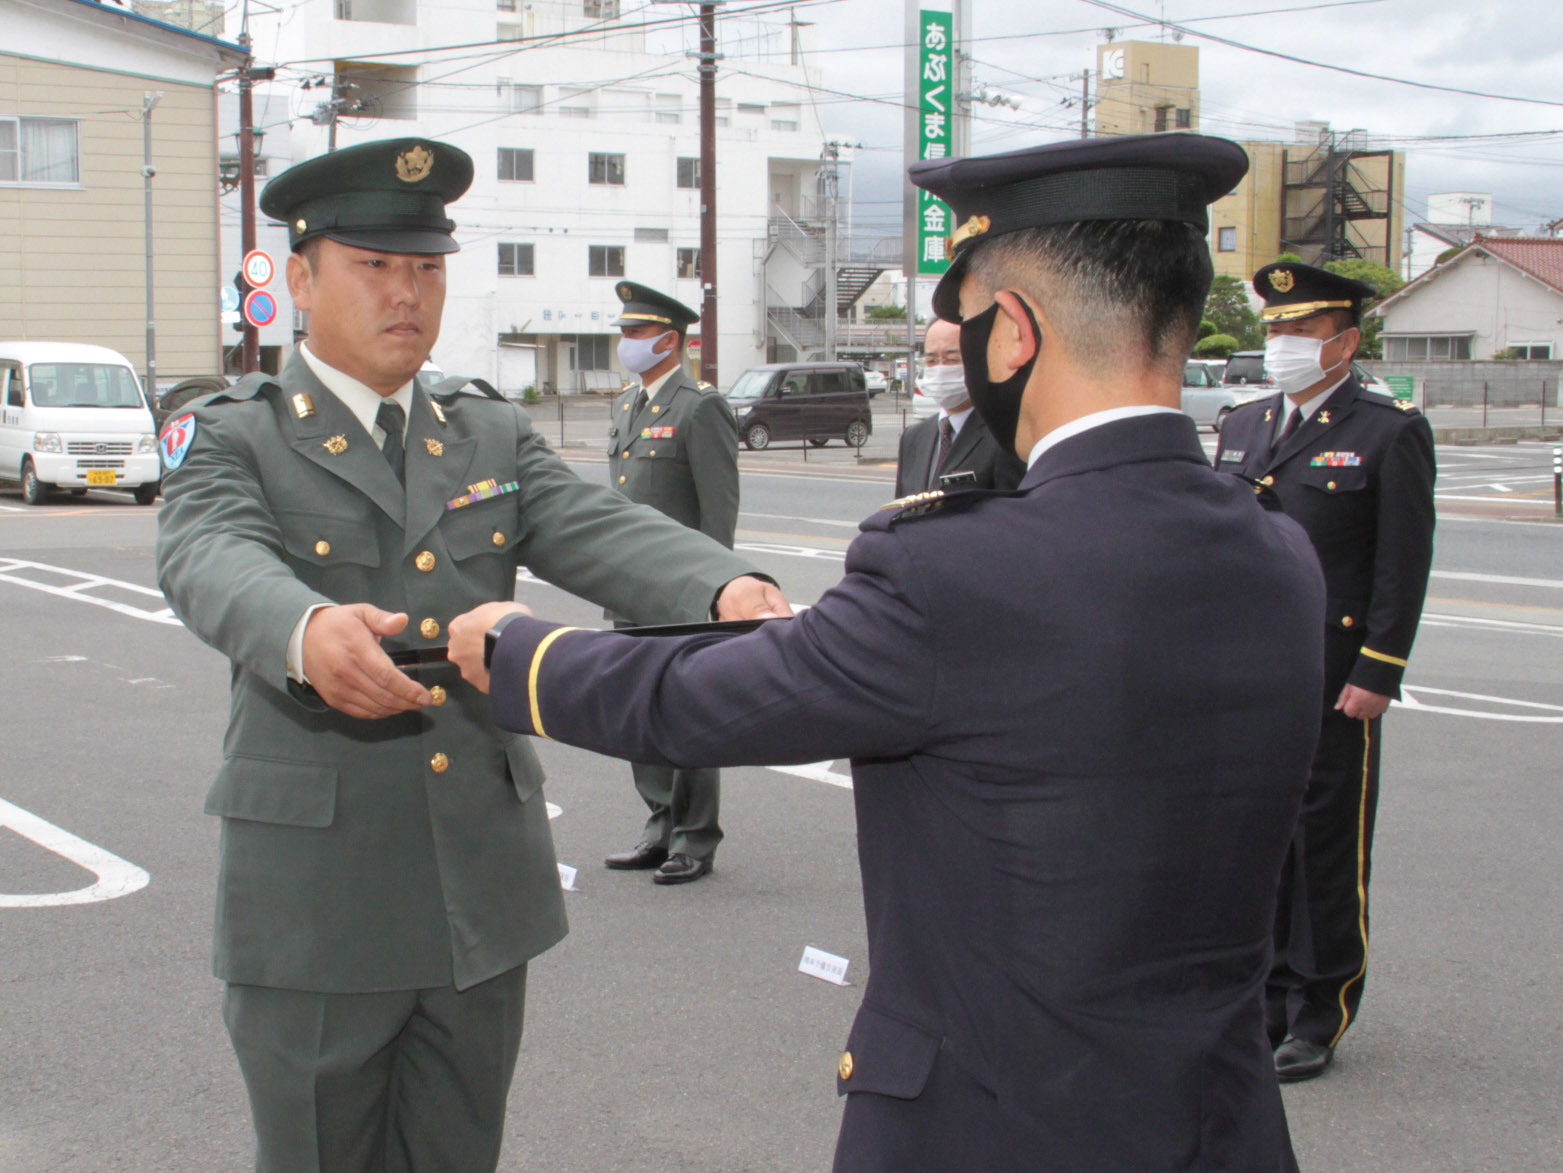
x=260 y=308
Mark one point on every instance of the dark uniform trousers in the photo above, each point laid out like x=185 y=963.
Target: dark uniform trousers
x=1358 y=476
x=1068 y=865
x=679 y=454
x=383 y=884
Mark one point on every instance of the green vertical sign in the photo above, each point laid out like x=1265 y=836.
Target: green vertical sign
x=935 y=111
x=1402 y=386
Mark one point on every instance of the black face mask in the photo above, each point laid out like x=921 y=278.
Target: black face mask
x=997 y=403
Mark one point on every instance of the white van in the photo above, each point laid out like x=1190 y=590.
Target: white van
x=74 y=416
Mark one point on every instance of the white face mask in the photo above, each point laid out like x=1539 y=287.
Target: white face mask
x=637 y=355
x=945 y=385
x=1293 y=361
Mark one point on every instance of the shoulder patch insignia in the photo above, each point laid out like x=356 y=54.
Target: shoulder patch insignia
x=914 y=499
x=174 y=444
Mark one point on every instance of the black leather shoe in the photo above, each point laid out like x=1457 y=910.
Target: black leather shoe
x=642 y=857
x=1298 y=1059
x=680 y=869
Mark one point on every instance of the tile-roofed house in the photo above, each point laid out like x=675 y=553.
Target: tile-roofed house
x=1500 y=294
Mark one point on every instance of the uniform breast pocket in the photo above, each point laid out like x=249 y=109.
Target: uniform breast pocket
x=1334 y=480
x=488 y=527
x=325 y=541
x=669 y=449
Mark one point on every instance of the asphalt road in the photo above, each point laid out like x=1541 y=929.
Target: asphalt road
x=672 y=1030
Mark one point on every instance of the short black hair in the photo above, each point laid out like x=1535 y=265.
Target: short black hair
x=1111 y=287
x=310 y=251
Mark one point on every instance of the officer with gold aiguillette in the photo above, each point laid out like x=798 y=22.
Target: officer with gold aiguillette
x=386 y=867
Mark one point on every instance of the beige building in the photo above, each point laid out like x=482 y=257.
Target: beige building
x=1323 y=196
x=75 y=82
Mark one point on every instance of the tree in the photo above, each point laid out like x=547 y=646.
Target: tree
x=1206 y=328
x=886 y=313
x=1386 y=281
x=1229 y=311
x=1216 y=346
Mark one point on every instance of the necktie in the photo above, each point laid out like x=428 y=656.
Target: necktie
x=640 y=404
x=390 y=420
x=1292 y=422
x=946 y=439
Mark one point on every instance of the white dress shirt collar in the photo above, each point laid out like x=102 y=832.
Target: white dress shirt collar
x=1095 y=420
x=360 y=399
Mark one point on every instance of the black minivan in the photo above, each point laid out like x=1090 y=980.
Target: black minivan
x=813 y=401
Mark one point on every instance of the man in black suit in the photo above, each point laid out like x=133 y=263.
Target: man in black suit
x=1356 y=470
x=1068 y=864
x=953 y=449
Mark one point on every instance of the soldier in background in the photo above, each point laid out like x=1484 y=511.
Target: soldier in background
x=673 y=445
x=1356 y=470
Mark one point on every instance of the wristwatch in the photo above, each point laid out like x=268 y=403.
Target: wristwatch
x=491 y=637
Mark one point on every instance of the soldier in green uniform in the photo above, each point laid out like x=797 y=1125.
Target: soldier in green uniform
x=673 y=445
x=386 y=867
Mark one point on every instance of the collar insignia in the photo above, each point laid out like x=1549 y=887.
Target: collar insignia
x=1269 y=414
x=336 y=445
x=439 y=412
x=1324 y=417
x=435 y=447
x=303 y=405
x=414 y=164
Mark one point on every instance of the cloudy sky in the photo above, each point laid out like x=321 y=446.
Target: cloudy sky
x=1510 y=49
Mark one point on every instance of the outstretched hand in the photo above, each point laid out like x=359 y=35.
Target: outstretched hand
x=344 y=663
x=748 y=597
x=466 y=639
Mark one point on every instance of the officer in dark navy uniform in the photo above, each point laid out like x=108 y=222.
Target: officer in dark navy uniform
x=1068 y=865
x=1356 y=470
x=673 y=445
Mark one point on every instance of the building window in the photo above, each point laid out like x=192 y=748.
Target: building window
x=576 y=103
x=688 y=172
x=1531 y=350
x=505 y=5
x=689 y=262
x=605 y=169
x=515 y=164
x=651 y=236
x=669 y=109
x=591 y=351
x=515 y=260
x=39 y=150
x=750 y=108
x=1162 y=121
x=605 y=260
x=1435 y=348
x=785 y=116
x=1183 y=118
x=1226 y=240
x=520 y=99
x=602 y=10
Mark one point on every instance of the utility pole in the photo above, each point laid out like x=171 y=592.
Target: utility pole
x=251 y=348
x=708 y=323
x=149 y=102
x=960 y=87
x=1085 y=103
x=831 y=177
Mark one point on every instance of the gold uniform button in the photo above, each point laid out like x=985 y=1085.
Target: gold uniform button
x=428 y=629
x=424 y=561
x=1267 y=481
x=439 y=763
x=322 y=547
x=1347 y=621
x=625 y=455
x=499 y=538
x=653 y=452
x=623 y=479
x=1330 y=485
x=844 y=1068
x=437 y=695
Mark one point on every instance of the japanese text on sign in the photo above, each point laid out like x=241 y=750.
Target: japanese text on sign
x=936 y=107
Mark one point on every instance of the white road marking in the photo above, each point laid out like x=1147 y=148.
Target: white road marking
x=1504 y=579
x=116 y=877
x=817 y=772
x=791 y=551
x=808 y=520
x=1435 y=619
x=1411 y=704
x=14 y=571
x=1508 y=502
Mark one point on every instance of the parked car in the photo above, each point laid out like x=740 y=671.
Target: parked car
x=183 y=392
x=875 y=381
x=802 y=401
x=1246 y=368
x=1370 y=381
x=74 y=416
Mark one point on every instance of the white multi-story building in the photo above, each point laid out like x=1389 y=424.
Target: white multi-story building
x=587 y=147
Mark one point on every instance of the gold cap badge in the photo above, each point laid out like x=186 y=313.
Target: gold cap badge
x=336 y=445
x=974 y=226
x=414 y=164
x=1282 y=280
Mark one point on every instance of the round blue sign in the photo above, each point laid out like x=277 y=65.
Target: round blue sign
x=260 y=308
